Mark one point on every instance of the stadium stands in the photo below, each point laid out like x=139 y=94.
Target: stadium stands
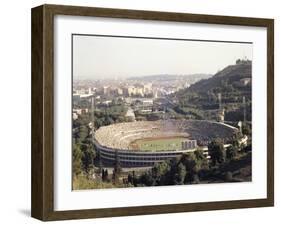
x=115 y=139
x=120 y=135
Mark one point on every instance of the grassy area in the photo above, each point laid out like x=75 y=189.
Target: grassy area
x=158 y=144
x=82 y=182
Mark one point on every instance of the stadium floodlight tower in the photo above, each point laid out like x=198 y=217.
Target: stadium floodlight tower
x=221 y=110
x=219 y=97
x=244 y=110
x=92 y=98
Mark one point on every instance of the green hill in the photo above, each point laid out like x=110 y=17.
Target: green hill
x=232 y=84
x=229 y=76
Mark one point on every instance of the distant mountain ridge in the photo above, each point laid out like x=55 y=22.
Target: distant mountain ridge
x=167 y=77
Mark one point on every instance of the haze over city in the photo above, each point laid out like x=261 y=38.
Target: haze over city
x=97 y=57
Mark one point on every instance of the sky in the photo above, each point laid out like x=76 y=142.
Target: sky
x=114 y=57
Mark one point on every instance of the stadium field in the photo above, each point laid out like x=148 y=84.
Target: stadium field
x=158 y=144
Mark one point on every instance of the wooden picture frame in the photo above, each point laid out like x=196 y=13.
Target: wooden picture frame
x=42 y=203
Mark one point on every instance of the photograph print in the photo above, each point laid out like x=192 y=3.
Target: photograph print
x=157 y=112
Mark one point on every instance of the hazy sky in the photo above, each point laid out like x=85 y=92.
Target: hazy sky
x=112 y=57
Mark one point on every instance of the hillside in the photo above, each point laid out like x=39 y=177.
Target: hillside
x=232 y=84
x=229 y=76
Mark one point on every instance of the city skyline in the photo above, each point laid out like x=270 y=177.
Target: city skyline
x=99 y=57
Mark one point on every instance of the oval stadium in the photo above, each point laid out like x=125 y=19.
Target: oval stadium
x=144 y=143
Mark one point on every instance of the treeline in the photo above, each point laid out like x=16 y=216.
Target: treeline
x=83 y=151
x=109 y=116
x=84 y=155
x=192 y=168
x=103 y=115
x=184 y=170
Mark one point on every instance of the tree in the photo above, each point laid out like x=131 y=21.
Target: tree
x=104 y=175
x=248 y=148
x=246 y=129
x=201 y=160
x=231 y=152
x=88 y=156
x=174 y=172
x=180 y=174
x=117 y=168
x=217 y=152
x=199 y=154
x=108 y=120
x=228 y=176
x=196 y=179
x=83 y=133
x=76 y=160
x=192 y=166
x=130 y=178
x=146 y=179
x=158 y=173
x=235 y=140
x=100 y=164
